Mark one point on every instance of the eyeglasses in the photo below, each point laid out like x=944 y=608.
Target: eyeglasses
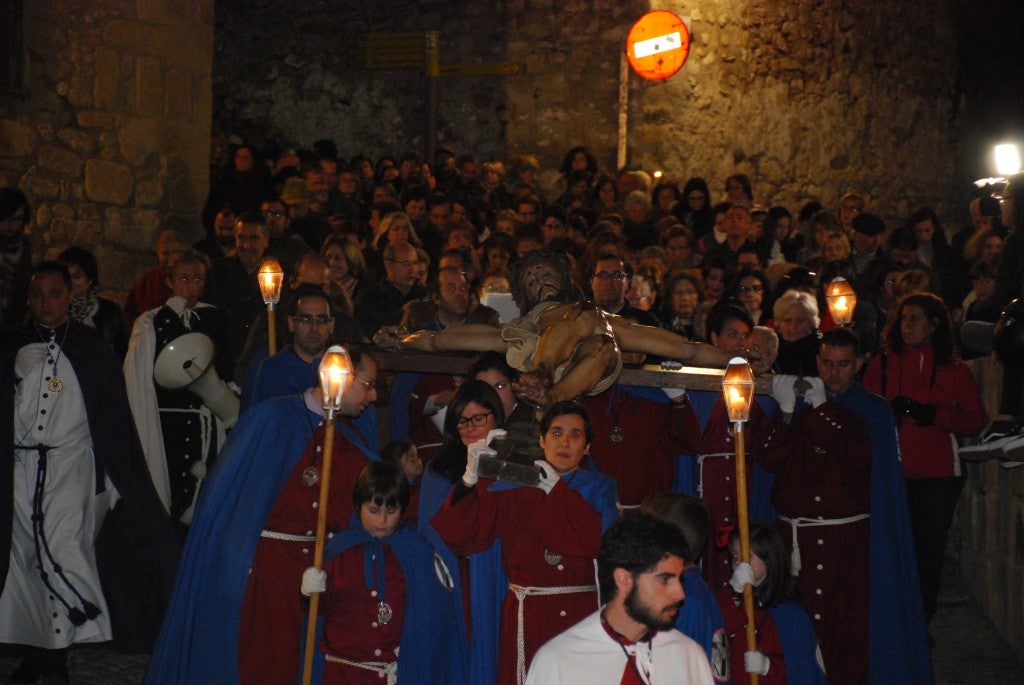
x=185 y=280
x=696 y=198
x=275 y=213
x=982 y=279
x=849 y=208
x=309 y=319
x=403 y=262
x=610 y=276
x=476 y=419
x=369 y=385
x=750 y=288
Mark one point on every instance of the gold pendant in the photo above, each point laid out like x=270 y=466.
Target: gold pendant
x=55 y=385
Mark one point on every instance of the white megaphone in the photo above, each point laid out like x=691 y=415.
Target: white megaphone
x=187 y=362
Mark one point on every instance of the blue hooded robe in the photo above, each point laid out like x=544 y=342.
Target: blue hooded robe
x=198 y=641
x=432 y=648
x=898 y=647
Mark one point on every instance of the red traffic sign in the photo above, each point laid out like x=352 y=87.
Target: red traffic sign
x=658 y=45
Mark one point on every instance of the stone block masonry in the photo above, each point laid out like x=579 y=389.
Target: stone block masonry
x=110 y=139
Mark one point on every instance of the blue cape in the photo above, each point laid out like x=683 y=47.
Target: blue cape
x=487 y=583
x=898 y=642
x=198 y=641
x=432 y=650
x=402 y=386
x=700 y=618
x=799 y=644
x=282 y=374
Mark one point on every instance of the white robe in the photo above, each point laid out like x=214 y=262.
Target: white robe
x=73 y=512
x=586 y=654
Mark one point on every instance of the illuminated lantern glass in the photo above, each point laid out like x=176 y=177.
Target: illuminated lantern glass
x=335 y=370
x=841 y=300
x=271 y=277
x=738 y=389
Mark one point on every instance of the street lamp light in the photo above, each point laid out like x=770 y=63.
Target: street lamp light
x=841 y=299
x=738 y=392
x=271 y=277
x=1007 y=159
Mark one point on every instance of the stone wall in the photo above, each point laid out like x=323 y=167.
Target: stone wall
x=297 y=72
x=987 y=538
x=110 y=139
x=811 y=98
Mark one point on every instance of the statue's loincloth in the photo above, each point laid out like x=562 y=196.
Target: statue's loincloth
x=523 y=333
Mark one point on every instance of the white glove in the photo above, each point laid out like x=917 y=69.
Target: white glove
x=742 y=575
x=550 y=477
x=475 y=451
x=756 y=662
x=782 y=391
x=816 y=395
x=314 y=580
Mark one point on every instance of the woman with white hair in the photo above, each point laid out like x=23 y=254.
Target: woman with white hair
x=797 y=322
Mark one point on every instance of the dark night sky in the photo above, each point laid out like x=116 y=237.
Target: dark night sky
x=991 y=80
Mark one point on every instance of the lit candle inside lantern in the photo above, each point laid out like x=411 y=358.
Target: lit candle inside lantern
x=738 y=389
x=841 y=300
x=335 y=370
x=271 y=278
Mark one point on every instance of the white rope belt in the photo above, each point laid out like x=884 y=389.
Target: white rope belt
x=522 y=592
x=798 y=522
x=287 y=537
x=385 y=668
x=700 y=468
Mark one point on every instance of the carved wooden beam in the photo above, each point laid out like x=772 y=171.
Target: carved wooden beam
x=688 y=377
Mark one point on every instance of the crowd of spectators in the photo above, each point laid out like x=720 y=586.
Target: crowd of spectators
x=405 y=243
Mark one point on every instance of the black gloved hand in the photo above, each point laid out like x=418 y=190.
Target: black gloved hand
x=901 y=405
x=923 y=413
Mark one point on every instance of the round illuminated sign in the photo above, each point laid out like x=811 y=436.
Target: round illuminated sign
x=658 y=45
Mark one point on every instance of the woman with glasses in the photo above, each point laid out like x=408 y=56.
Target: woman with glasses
x=694 y=207
x=476 y=410
x=751 y=289
x=549 y=532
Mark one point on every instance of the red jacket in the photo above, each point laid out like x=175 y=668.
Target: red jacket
x=929 y=451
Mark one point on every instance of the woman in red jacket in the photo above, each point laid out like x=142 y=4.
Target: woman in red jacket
x=935 y=399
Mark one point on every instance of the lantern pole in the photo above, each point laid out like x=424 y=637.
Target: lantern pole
x=335 y=371
x=738 y=389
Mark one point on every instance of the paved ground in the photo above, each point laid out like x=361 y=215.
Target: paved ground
x=967 y=652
